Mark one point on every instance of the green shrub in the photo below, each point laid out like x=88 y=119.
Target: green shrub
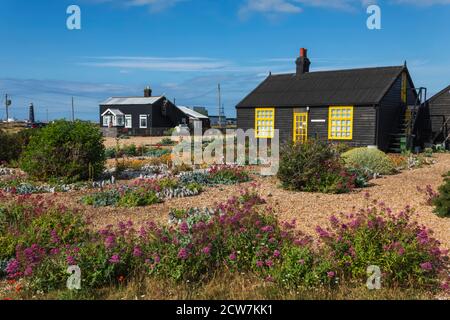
x=156 y=152
x=406 y=252
x=12 y=145
x=223 y=174
x=442 y=201
x=71 y=151
x=138 y=198
x=313 y=166
x=167 y=142
x=370 y=159
x=102 y=199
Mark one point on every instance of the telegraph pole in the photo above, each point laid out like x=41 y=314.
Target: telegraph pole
x=7 y=104
x=73 y=112
x=220 y=105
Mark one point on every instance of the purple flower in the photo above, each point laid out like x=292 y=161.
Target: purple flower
x=259 y=264
x=115 y=259
x=322 y=233
x=71 y=260
x=110 y=242
x=331 y=274
x=334 y=220
x=267 y=229
x=276 y=253
x=183 y=254
x=206 y=250
x=12 y=267
x=427 y=266
x=54 y=251
x=28 y=271
x=137 y=252
x=54 y=236
x=184 y=228
x=269 y=263
x=157 y=259
x=232 y=256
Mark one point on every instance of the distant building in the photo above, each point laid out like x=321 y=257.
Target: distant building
x=145 y=116
x=231 y=121
x=216 y=121
x=201 y=110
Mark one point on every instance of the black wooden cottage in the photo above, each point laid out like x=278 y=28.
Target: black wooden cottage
x=145 y=116
x=439 y=109
x=362 y=107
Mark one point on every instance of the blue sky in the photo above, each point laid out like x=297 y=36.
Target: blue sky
x=183 y=48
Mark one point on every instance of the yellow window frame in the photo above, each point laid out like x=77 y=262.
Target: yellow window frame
x=301 y=137
x=265 y=115
x=337 y=129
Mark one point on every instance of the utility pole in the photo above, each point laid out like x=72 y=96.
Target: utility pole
x=7 y=104
x=47 y=114
x=220 y=106
x=73 y=112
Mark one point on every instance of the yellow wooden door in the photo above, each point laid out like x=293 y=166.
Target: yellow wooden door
x=301 y=127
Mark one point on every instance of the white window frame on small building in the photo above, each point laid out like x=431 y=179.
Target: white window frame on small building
x=128 y=121
x=142 y=117
x=114 y=117
x=106 y=120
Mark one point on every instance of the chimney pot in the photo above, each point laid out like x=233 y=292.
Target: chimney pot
x=303 y=62
x=303 y=52
x=147 y=92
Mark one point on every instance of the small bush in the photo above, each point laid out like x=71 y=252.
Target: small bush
x=71 y=151
x=314 y=167
x=167 y=142
x=12 y=145
x=442 y=201
x=222 y=174
x=406 y=252
x=369 y=158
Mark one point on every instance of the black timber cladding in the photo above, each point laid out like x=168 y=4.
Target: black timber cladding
x=439 y=109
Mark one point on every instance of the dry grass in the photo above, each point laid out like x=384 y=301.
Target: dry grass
x=12 y=127
x=226 y=286
x=147 y=141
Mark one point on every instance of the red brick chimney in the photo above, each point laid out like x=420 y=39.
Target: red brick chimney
x=303 y=62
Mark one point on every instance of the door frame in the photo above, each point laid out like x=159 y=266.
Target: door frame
x=305 y=114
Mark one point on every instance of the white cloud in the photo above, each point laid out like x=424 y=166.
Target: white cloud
x=153 y=5
x=173 y=64
x=423 y=2
x=268 y=7
x=272 y=8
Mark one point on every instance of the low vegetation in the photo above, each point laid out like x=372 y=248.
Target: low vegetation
x=241 y=237
x=143 y=192
x=314 y=166
x=442 y=200
x=72 y=151
x=370 y=159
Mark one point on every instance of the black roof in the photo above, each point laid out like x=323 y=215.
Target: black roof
x=437 y=95
x=342 y=87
